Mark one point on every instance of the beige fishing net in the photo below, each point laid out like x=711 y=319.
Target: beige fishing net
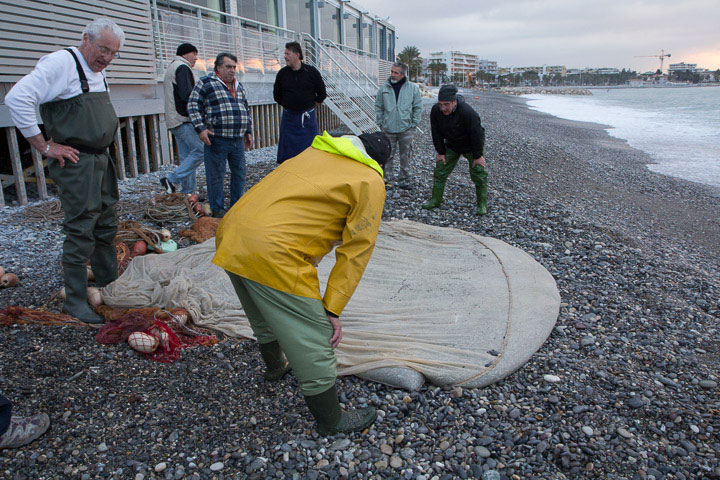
x=435 y=304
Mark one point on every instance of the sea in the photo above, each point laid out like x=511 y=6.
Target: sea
x=679 y=127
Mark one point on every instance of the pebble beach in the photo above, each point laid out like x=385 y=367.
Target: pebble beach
x=625 y=387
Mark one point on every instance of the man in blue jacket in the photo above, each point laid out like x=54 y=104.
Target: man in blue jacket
x=398 y=106
x=456 y=131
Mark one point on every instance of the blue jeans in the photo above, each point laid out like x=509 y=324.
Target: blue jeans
x=220 y=151
x=190 y=151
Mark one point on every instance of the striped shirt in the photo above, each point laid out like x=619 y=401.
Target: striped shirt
x=212 y=106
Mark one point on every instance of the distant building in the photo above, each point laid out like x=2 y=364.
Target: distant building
x=608 y=71
x=555 y=69
x=458 y=63
x=488 y=66
x=521 y=70
x=683 y=67
x=636 y=82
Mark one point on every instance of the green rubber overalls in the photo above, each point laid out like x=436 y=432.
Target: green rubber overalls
x=87 y=189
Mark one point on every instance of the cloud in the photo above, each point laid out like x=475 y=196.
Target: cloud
x=572 y=33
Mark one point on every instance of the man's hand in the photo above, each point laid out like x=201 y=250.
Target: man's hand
x=337 y=331
x=440 y=158
x=248 y=141
x=57 y=151
x=62 y=152
x=205 y=136
x=479 y=161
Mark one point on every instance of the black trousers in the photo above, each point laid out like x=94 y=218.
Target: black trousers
x=5 y=413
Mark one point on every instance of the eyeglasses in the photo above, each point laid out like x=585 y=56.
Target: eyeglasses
x=106 y=52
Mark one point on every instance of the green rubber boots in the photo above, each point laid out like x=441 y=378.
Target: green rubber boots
x=331 y=419
x=437 y=195
x=277 y=365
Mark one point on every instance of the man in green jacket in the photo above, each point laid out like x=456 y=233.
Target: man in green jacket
x=398 y=106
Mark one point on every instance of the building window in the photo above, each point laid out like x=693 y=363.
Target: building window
x=352 y=34
x=391 y=45
x=368 y=36
x=186 y=10
x=298 y=15
x=382 y=36
x=330 y=22
x=264 y=11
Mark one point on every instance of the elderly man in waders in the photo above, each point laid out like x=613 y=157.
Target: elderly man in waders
x=298 y=87
x=80 y=123
x=270 y=243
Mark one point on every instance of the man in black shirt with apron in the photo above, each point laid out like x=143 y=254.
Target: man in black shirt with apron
x=80 y=124
x=298 y=87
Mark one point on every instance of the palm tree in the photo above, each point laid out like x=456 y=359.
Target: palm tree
x=438 y=69
x=410 y=56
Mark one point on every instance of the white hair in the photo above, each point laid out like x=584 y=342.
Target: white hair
x=95 y=28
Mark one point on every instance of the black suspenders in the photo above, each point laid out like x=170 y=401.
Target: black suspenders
x=81 y=73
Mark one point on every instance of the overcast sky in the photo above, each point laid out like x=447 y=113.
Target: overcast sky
x=574 y=33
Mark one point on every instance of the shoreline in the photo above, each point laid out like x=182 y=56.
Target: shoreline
x=635 y=346
x=685 y=148
x=688 y=208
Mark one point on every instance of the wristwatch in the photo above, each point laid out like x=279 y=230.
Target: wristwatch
x=47 y=149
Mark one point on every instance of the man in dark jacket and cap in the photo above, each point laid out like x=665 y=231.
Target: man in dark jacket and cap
x=178 y=85
x=456 y=131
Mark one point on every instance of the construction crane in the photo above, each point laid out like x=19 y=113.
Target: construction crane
x=661 y=57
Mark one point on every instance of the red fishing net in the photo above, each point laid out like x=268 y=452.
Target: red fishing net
x=168 y=327
x=20 y=315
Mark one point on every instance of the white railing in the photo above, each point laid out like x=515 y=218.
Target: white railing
x=350 y=61
x=350 y=75
x=347 y=98
x=258 y=46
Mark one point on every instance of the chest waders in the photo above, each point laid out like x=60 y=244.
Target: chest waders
x=87 y=189
x=478 y=174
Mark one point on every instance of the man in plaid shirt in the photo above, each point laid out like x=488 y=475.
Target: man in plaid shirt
x=219 y=111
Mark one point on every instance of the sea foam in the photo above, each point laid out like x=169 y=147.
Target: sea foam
x=678 y=127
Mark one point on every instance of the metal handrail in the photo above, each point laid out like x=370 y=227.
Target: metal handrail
x=339 y=49
x=354 y=106
x=192 y=6
x=257 y=49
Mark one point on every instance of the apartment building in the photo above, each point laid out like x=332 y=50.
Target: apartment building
x=683 y=67
x=488 y=66
x=458 y=63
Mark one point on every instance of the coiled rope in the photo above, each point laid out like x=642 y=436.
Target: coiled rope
x=170 y=208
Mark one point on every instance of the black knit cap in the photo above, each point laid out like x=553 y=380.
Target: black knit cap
x=377 y=145
x=447 y=93
x=184 y=48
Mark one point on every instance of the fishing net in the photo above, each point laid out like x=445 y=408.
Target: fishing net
x=167 y=327
x=20 y=315
x=435 y=304
x=202 y=229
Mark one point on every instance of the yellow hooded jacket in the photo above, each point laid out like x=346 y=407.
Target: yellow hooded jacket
x=331 y=194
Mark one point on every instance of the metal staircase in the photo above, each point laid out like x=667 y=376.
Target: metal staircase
x=351 y=93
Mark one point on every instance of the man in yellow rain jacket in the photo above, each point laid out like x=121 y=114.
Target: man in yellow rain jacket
x=270 y=243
